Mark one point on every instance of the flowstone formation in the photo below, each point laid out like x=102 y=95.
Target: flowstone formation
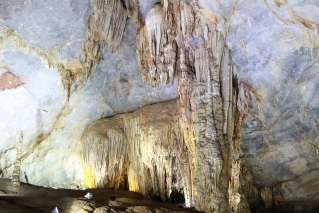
x=233 y=121
x=184 y=43
x=143 y=151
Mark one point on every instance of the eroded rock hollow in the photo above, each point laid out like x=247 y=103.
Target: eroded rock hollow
x=209 y=104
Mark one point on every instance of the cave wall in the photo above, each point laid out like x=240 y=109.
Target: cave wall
x=58 y=75
x=51 y=124
x=275 y=49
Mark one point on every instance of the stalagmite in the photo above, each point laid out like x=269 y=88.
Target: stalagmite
x=17 y=164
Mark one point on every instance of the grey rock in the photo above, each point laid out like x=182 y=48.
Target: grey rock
x=274 y=47
x=280 y=60
x=49 y=24
x=51 y=125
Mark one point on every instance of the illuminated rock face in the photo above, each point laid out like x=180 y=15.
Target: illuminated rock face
x=183 y=44
x=144 y=150
x=251 y=64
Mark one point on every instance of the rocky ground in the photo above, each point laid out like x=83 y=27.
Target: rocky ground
x=59 y=76
x=32 y=199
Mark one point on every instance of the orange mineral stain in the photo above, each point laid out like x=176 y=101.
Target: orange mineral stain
x=8 y=80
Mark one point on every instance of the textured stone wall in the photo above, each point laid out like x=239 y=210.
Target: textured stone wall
x=65 y=64
x=38 y=39
x=183 y=43
x=145 y=146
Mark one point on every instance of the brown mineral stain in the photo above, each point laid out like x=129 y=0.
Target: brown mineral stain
x=9 y=81
x=280 y=2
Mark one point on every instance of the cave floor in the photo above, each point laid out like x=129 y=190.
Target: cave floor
x=33 y=199
x=38 y=199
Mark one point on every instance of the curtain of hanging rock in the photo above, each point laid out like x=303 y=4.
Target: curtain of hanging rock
x=179 y=41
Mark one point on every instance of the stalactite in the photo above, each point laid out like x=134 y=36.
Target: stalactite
x=178 y=40
x=105 y=30
x=106 y=27
x=104 y=149
x=157 y=159
x=267 y=196
x=157 y=156
x=132 y=7
x=157 y=48
x=209 y=106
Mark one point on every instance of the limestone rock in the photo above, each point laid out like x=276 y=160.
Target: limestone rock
x=104 y=209
x=145 y=146
x=279 y=59
x=40 y=107
x=138 y=209
x=67 y=64
x=78 y=206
